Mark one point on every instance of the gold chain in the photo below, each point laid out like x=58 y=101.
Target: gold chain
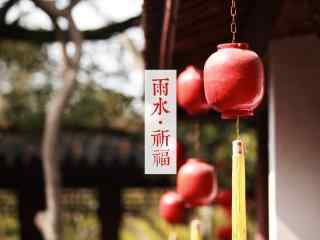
x=233 y=26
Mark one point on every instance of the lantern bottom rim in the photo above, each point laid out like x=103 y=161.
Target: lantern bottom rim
x=240 y=45
x=237 y=113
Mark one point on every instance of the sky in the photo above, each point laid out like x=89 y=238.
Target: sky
x=91 y=14
x=88 y=14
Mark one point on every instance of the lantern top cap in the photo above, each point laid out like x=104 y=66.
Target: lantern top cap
x=233 y=45
x=198 y=160
x=192 y=68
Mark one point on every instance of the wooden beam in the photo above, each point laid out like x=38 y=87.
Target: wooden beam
x=110 y=211
x=258 y=26
x=262 y=209
x=262 y=169
x=168 y=33
x=152 y=23
x=31 y=200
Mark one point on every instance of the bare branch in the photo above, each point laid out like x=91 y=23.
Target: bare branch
x=77 y=40
x=15 y=32
x=50 y=221
x=49 y=8
x=73 y=4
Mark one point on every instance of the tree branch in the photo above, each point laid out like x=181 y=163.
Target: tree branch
x=50 y=9
x=50 y=221
x=73 y=3
x=15 y=32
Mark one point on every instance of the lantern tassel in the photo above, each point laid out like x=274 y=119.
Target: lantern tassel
x=172 y=235
x=239 y=227
x=195 y=231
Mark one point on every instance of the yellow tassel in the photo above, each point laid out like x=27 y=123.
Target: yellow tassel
x=195 y=232
x=172 y=236
x=239 y=226
x=172 y=233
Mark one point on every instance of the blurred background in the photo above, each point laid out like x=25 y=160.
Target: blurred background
x=105 y=192
x=101 y=128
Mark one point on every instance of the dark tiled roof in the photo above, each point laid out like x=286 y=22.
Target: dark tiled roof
x=87 y=159
x=74 y=149
x=201 y=25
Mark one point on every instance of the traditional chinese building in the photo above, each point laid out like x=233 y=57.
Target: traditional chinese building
x=286 y=34
x=179 y=33
x=106 y=161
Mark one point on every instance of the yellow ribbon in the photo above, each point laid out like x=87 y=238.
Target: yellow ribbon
x=195 y=232
x=239 y=226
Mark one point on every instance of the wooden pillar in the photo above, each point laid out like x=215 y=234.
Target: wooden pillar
x=31 y=200
x=168 y=33
x=262 y=199
x=110 y=211
x=262 y=172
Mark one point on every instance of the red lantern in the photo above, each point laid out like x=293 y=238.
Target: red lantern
x=172 y=207
x=233 y=80
x=197 y=183
x=224 y=233
x=190 y=91
x=228 y=211
x=224 y=198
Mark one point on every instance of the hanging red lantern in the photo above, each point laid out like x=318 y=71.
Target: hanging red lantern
x=197 y=183
x=225 y=232
x=190 y=91
x=234 y=80
x=224 y=198
x=172 y=207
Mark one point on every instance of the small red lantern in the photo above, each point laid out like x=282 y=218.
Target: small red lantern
x=172 y=207
x=224 y=233
x=190 y=91
x=224 y=198
x=197 y=183
x=234 y=80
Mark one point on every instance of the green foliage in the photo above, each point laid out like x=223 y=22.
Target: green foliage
x=81 y=226
x=27 y=56
x=31 y=79
x=95 y=107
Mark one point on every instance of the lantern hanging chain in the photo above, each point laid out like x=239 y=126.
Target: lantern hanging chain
x=197 y=137
x=238 y=128
x=233 y=26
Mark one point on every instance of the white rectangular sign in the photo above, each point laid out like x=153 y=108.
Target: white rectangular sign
x=160 y=122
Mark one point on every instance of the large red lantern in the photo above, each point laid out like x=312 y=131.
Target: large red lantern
x=233 y=80
x=197 y=182
x=172 y=207
x=190 y=91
